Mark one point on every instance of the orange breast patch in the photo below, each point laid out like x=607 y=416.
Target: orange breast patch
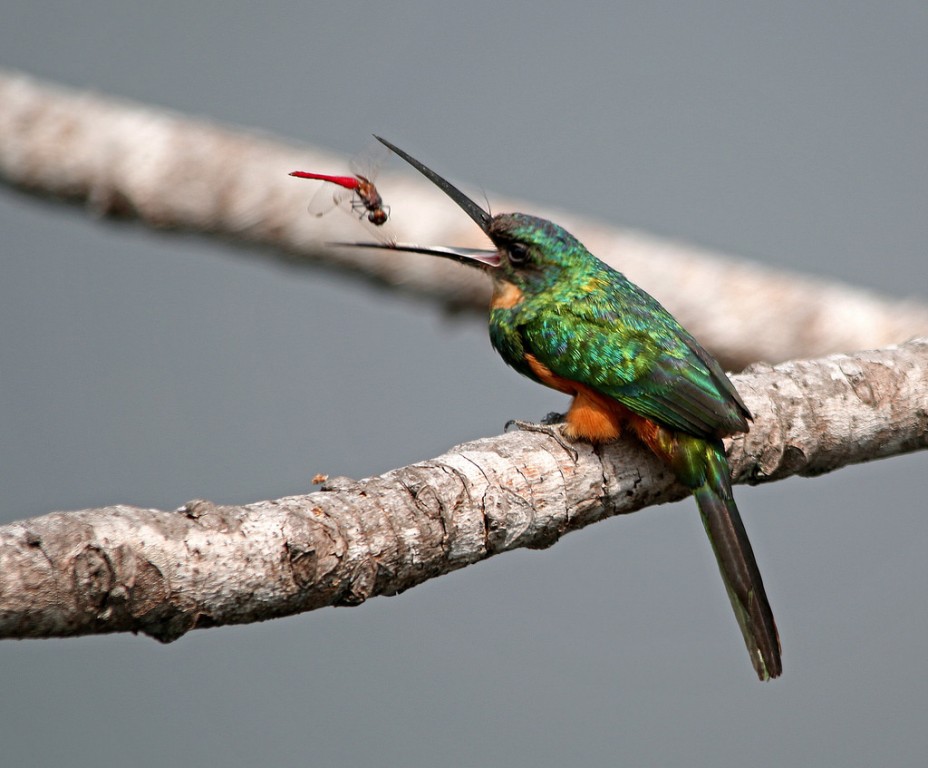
x=592 y=416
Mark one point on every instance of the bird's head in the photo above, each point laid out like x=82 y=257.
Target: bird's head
x=534 y=253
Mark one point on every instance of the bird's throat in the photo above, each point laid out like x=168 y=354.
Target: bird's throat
x=506 y=295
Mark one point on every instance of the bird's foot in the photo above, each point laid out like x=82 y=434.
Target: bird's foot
x=551 y=425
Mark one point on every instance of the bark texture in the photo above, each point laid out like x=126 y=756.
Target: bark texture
x=163 y=573
x=172 y=172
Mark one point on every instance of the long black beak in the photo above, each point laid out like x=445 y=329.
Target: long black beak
x=480 y=216
x=472 y=256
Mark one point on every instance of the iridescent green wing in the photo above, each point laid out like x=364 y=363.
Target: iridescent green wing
x=621 y=342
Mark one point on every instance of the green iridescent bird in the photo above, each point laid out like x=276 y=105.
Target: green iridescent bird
x=564 y=318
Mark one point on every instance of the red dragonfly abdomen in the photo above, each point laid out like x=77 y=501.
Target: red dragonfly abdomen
x=348 y=182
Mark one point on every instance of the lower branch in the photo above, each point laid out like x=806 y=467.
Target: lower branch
x=122 y=568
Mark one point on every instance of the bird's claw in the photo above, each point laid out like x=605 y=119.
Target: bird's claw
x=548 y=426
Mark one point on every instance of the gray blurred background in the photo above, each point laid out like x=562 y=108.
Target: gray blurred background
x=150 y=369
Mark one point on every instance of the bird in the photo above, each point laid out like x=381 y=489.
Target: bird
x=567 y=320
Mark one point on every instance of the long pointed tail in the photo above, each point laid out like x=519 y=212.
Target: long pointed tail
x=736 y=561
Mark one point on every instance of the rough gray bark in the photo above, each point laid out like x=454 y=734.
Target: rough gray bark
x=169 y=171
x=163 y=573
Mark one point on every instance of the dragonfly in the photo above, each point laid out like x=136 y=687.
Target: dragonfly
x=356 y=193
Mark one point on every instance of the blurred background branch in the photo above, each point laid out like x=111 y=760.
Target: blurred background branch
x=173 y=172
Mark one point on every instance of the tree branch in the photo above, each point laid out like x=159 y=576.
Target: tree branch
x=171 y=172
x=163 y=573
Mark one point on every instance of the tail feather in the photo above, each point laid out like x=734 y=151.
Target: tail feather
x=700 y=464
x=739 y=569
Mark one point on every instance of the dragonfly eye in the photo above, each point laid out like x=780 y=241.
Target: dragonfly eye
x=518 y=254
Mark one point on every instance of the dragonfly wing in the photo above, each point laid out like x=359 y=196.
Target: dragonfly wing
x=369 y=161
x=327 y=197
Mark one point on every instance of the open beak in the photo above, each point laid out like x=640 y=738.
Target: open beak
x=473 y=256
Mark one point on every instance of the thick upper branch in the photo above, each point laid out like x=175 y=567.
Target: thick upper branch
x=169 y=171
x=164 y=573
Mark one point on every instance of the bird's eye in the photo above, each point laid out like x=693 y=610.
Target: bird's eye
x=518 y=253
